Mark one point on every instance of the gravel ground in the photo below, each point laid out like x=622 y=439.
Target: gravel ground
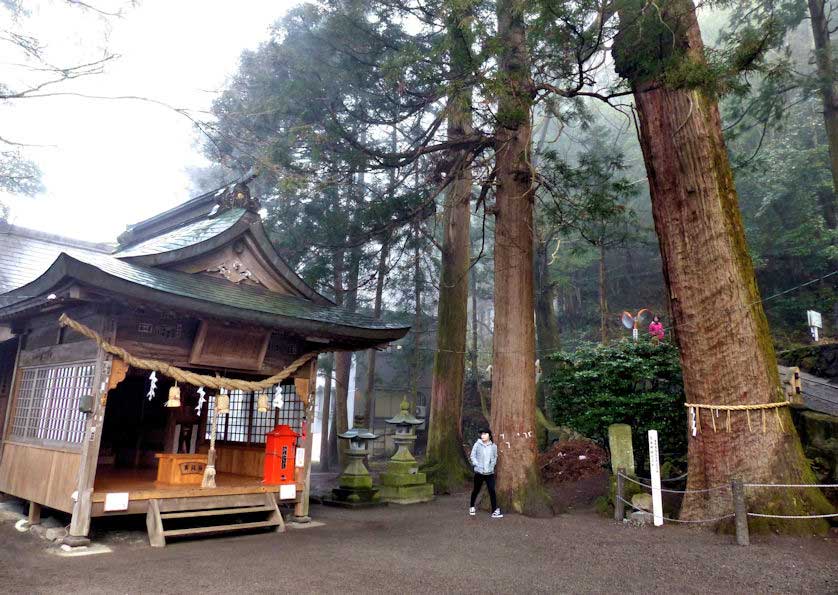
x=431 y=548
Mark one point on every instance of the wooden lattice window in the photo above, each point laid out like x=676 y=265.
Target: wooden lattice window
x=245 y=425
x=47 y=404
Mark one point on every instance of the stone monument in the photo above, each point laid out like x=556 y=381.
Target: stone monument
x=622 y=452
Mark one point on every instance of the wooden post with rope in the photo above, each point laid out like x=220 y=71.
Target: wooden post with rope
x=740 y=512
x=619 y=504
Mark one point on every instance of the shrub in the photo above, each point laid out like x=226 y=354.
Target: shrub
x=638 y=384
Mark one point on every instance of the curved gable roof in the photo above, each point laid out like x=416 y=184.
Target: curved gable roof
x=212 y=297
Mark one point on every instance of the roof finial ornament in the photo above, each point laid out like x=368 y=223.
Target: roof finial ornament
x=236 y=196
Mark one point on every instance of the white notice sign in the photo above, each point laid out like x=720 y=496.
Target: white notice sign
x=287 y=492
x=300 y=458
x=116 y=501
x=655 y=468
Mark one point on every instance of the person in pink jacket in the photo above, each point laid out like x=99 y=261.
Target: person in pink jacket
x=656 y=329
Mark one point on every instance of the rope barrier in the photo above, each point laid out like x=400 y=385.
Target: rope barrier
x=793 y=516
x=702 y=491
x=713 y=520
x=791 y=485
x=186 y=376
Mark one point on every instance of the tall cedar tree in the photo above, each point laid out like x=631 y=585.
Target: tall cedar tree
x=513 y=360
x=445 y=462
x=726 y=350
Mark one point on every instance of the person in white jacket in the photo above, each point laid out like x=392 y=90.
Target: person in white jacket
x=484 y=456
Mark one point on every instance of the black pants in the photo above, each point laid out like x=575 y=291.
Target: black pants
x=479 y=479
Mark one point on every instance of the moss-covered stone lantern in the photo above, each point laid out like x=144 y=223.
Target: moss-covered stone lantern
x=355 y=483
x=402 y=483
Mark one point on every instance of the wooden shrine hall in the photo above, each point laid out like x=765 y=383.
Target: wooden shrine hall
x=96 y=337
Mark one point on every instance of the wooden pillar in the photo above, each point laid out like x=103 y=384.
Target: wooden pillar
x=34 y=513
x=302 y=506
x=10 y=402
x=80 y=523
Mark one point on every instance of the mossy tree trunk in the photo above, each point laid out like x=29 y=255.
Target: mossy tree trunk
x=829 y=95
x=513 y=361
x=445 y=462
x=726 y=350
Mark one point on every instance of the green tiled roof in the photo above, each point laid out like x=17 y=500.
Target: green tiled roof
x=182 y=237
x=210 y=291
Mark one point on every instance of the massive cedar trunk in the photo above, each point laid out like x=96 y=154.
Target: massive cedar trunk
x=829 y=94
x=325 y=454
x=445 y=461
x=369 y=405
x=726 y=350
x=513 y=360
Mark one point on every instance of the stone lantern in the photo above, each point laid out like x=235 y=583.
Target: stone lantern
x=402 y=483
x=355 y=483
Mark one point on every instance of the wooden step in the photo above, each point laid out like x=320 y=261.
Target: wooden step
x=218 y=528
x=213 y=512
x=207 y=508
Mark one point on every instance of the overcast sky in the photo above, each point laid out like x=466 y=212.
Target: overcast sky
x=111 y=163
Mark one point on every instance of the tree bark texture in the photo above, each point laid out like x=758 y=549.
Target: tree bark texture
x=445 y=464
x=829 y=94
x=726 y=351
x=513 y=361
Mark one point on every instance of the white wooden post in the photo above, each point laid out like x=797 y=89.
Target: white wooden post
x=654 y=467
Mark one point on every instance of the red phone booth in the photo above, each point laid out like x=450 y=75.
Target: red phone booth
x=280 y=448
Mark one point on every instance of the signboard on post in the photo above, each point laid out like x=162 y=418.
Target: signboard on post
x=655 y=468
x=815 y=323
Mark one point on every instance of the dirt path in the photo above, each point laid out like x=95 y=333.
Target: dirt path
x=429 y=548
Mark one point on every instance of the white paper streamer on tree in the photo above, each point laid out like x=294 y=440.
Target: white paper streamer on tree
x=201 y=399
x=153 y=387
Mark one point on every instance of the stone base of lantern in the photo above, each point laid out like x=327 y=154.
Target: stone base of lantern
x=407 y=494
x=354 y=498
x=403 y=484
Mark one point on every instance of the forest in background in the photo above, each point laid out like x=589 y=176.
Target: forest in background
x=781 y=165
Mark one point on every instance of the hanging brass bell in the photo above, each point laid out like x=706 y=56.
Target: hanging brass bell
x=174 y=396
x=262 y=403
x=222 y=403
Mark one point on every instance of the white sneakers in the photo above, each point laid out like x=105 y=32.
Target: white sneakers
x=495 y=515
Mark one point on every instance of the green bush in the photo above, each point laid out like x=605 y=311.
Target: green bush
x=638 y=384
